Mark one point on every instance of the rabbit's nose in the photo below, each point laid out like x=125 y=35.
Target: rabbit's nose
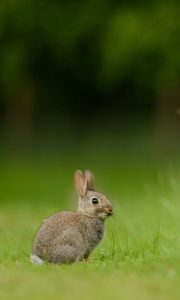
x=110 y=210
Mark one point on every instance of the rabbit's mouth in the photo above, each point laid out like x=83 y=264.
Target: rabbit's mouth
x=109 y=211
x=109 y=214
x=103 y=214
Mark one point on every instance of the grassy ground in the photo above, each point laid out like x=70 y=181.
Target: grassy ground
x=139 y=256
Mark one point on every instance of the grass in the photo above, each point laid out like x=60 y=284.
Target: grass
x=139 y=256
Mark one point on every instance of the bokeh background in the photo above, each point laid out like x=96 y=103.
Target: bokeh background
x=87 y=84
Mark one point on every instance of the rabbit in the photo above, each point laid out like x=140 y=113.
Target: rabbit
x=68 y=237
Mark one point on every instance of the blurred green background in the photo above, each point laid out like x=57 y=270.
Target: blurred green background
x=91 y=84
x=87 y=84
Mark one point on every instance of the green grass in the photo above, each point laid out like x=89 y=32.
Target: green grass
x=140 y=254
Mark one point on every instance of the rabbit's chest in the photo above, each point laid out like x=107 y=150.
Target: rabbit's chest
x=93 y=233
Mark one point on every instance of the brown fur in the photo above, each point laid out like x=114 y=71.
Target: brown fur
x=67 y=236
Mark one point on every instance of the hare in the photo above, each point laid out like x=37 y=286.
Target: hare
x=68 y=237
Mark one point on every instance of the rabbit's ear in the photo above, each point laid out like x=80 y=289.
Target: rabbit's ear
x=80 y=182
x=90 y=179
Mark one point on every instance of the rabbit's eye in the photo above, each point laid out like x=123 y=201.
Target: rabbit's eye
x=95 y=200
